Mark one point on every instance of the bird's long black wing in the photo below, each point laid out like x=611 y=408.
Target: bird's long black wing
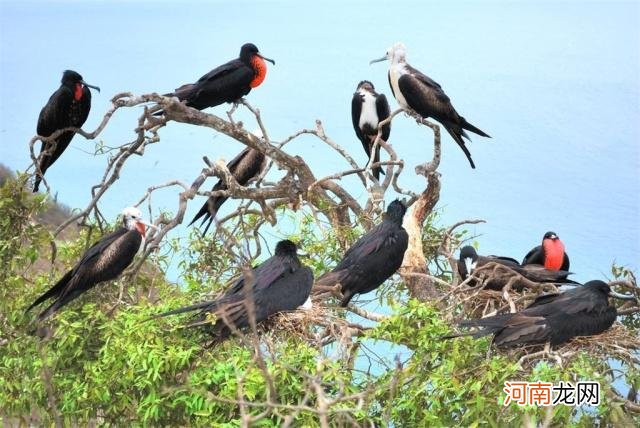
x=55 y=114
x=356 y=110
x=265 y=274
x=426 y=97
x=213 y=204
x=383 y=110
x=534 y=256
x=368 y=243
x=232 y=73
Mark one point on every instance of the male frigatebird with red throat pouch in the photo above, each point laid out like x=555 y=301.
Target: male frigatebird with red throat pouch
x=68 y=107
x=368 y=109
x=417 y=92
x=550 y=254
x=104 y=261
x=228 y=82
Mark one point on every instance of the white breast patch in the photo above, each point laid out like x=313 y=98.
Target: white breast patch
x=368 y=114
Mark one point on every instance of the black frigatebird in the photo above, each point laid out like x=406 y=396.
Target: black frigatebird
x=553 y=318
x=550 y=254
x=415 y=91
x=67 y=107
x=469 y=261
x=280 y=283
x=228 y=82
x=373 y=258
x=104 y=261
x=249 y=164
x=368 y=108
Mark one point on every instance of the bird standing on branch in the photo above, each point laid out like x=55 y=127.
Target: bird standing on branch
x=228 y=82
x=373 y=258
x=67 y=107
x=280 y=283
x=249 y=164
x=104 y=261
x=417 y=92
x=368 y=109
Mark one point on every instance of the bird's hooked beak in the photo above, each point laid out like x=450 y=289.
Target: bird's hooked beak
x=141 y=226
x=266 y=59
x=90 y=86
x=621 y=296
x=384 y=58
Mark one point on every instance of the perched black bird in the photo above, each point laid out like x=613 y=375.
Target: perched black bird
x=104 y=261
x=368 y=108
x=550 y=254
x=228 y=82
x=469 y=261
x=68 y=107
x=554 y=318
x=373 y=258
x=415 y=91
x=247 y=165
x=280 y=283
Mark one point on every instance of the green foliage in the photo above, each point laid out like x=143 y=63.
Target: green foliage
x=103 y=362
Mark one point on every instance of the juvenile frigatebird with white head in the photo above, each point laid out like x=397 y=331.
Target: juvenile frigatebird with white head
x=67 y=107
x=228 y=82
x=104 y=261
x=368 y=109
x=417 y=92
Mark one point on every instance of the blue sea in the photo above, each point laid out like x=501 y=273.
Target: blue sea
x=556 y=84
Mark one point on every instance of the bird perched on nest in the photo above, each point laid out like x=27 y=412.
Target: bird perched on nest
x=280 y=283
x=550 y=254
x=553 y=318
x=469 y=261
x=373 y=258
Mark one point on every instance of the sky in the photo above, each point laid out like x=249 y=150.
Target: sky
x=556 y=85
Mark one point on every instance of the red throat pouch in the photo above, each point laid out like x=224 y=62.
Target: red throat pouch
x=141 y=228
x=260 y=68
x=554 y=254
x=77 y=94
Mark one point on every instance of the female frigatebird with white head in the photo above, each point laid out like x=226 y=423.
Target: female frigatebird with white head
x=228 y=82
x=104 y=261
x=280 y=283
x=372 y=259
x=68 y=107
x=368 y=109
x=550 y=254
x=415 y=91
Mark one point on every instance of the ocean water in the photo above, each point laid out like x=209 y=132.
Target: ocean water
x=556 y=84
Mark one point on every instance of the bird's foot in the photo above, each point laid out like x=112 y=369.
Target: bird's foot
x=546 y=353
